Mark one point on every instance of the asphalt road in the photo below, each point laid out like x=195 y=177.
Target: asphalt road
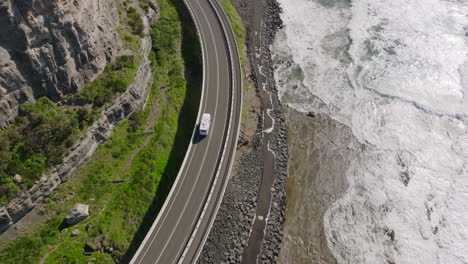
x=179 y=231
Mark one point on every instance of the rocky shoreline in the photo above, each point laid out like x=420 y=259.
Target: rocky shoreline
x=232 y=228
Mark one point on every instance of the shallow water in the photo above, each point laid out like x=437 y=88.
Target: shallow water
x=395 y=73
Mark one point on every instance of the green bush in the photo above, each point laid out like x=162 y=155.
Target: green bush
x=135 y=21
x=120 y=209
x=135 y=122
x=144 y=5
x=36 y=141
x=43 y=131
x=123 y=62
x=113 y=80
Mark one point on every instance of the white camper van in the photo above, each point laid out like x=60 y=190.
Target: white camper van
x=205 y=124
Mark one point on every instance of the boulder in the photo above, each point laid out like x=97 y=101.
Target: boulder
x=75 y=232
x=20 y=206
x=77 y=214
x=17 y=178
x=5 y=219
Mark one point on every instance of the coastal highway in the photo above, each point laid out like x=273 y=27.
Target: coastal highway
x=182 y=226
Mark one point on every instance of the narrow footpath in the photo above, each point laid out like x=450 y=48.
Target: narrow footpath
x=249 y=224
x=258 y=57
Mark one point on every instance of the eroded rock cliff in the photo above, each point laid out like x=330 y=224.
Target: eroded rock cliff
x=26 y=75
x=52 y=47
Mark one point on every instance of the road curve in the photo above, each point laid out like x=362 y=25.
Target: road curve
x=180 y=230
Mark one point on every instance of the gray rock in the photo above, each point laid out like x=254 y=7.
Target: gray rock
x=75 y=232
x=44 y=188
x=77 y=213
x=5 y=219
x=17 y=178
x=133 y=99
x=20 y=206
x=52 y=48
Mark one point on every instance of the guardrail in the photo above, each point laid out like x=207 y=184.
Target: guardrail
x=215 y=5
x=226 y=136
x=158 y=218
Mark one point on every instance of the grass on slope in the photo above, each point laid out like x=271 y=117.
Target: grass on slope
x=241 y=38
x=42 y=132
x=237 y=26
x=120 y=213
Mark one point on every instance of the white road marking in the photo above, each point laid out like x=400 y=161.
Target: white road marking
x=191 y=157
x=223 y=188
x=182 y=169
x=204 y=156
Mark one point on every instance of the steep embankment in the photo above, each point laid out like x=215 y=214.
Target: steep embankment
x=49 y=141
x=129 y=176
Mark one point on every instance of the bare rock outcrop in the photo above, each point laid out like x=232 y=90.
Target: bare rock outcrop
x=5 y=219
x=131 y=100
x=52 y=47
x=78 y=213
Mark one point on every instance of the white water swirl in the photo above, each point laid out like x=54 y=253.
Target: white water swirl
x=396 y=73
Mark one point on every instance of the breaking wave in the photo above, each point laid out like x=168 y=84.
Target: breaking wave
x=396 y=73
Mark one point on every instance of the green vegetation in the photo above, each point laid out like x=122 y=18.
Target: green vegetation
x=241 y=37
x=36 y=141
x=237 y=26
x=135 y=21
x=43 y=131
x=131 y=24
x=144 y=5
x=115 y=79
x=121 y=213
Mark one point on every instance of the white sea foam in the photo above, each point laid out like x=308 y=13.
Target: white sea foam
x=396 y=73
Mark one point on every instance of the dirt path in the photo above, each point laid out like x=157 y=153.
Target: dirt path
x=153 y=117
x=44 y=258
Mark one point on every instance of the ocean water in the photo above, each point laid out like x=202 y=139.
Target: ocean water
x=396 y=73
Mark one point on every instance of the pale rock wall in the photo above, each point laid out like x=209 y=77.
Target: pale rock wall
x=133 y=99
x=52 y=47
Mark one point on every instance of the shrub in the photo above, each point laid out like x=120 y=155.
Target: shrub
x=123 y=62
x=135 y=21
x=114 y=79
x=36 y=141
x=144 y=5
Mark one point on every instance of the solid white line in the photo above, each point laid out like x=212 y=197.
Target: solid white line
x=222 y=157
x=223 y=188
x=186 y=157
x=182 y=167
x=206 y=151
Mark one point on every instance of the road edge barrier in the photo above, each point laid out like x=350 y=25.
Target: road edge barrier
x=158 y=218
x=226 y=180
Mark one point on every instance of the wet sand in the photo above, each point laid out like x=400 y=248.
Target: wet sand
x=318 y=149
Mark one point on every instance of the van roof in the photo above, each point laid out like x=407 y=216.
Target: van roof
x=205 y=122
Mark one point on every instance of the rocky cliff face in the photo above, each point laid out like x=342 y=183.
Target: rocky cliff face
x=133 y=99
x=17 y=86
x=52 y=47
